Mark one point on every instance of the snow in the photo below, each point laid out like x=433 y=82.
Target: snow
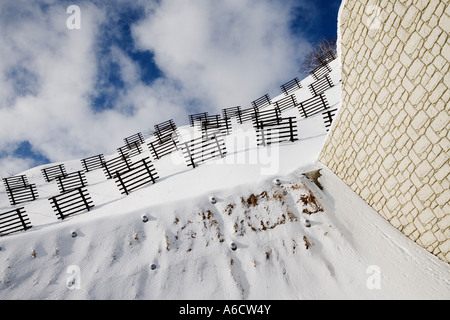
x=348 y=252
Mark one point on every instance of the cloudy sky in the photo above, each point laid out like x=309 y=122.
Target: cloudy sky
x=68 y=93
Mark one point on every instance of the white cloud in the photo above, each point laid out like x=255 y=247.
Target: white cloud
x=213 y=54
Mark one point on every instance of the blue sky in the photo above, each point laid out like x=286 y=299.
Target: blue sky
x=67 y=94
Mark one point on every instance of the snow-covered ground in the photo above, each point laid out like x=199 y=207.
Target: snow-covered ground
x=347 y=252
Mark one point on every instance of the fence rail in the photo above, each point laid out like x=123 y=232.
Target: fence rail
x=141 y=174
x=284 y=130
x=51 y=173
x=216 y=123
x=93 y=163
x=231 y=112
x=71 y=202
x=320 y=71
x=14 y=221
x=197 y=117
x=266 y=118
x=291 y=86
x=161 y=148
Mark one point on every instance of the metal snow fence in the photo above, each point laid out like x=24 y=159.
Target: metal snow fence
x=197 y=117
x=286 y=103
x=93 y=163
x=117 y=164
x=328 y=117
x=71 y=202
x=202 y=149
x=320 y=71
x=326 y=57
x=215 y=123
x=320 y=85
x=284 y=130
x=267 y=117
x=130 y=150
x=51 y=173
x=160 y=148
x=133 y=139
x=142 y=173
x=19 y=190
x=291 y=86
x=262 y=102
x=232 y=112
x=14 y=221
x=71 y=181
x=313 y=105
x=164 y=130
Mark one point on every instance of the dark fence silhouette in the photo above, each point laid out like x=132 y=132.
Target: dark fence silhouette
x=320 y=71
x=93 y=163
x=142 y=173
x=313 y=106
x=262 y=102
x=197 y=117
x=291 y=86
x=246 y=115
x=266 y=118
x=215 y=123
x=165 y=130
x=71 y=202
x=159 y=149
x=284 y=130
x=136 y=138
x=286 y=103
x=52 y=172
x=201 y=149
x=19 y=190
x=326 y=57
x=328 y=117
x=71 y=181
x=114 y=165
x=130 y=150
x=320 y=85
x=14 y=221
x=231 y=112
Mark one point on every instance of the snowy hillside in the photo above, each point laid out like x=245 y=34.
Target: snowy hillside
x=183 y=250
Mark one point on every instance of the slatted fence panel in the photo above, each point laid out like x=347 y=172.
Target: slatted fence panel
x=14 y=221
x=15 y=182
x=117 y=164
x=165 y=130
x=22 y=194
x=161 y=148
x=320 y=71
x=285 y=130
x=71 y=181
x=51 y=173
x=216 y=123
x=93 y=163
x=267 y=117
x=313 y=106
x=199 y=150
x=71 y=202
x=130 y=150
x=262 y=102
x=247 y=114
x=142 y=173
x=231 y=112
x=328 y=117
x=291 y=86
x=286 y=103
x=133 y=139
x=320 y=85
x=197 y=117
x=326 y=57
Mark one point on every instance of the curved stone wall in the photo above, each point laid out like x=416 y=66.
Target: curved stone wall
x=389 y=141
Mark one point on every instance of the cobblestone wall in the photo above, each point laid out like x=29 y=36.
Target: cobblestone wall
x=390 y=140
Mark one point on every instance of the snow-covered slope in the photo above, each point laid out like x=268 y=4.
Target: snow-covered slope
x=347 y=251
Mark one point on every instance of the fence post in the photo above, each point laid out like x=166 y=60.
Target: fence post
x=218 y=145
x=148 y=170
x=21 y=218
x=303 y=109
x=291 y=129
x=57 y=208
x=121 y=182
x=189 y=155
x=84 y=199
x=323 y=101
